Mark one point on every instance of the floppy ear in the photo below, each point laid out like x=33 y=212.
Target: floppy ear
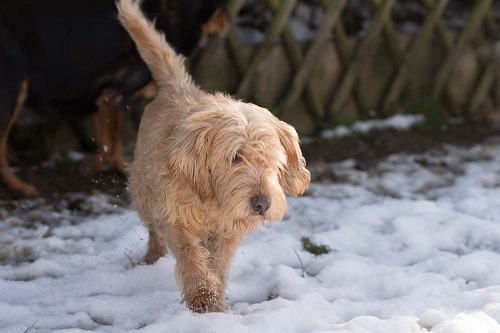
x=294 y=177
x=189 y=153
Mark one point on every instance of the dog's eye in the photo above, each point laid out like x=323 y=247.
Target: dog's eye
x=237 y=158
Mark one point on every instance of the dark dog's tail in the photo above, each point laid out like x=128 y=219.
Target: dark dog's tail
x=167 y=67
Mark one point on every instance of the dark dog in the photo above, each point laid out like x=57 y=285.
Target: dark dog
x=67 y=58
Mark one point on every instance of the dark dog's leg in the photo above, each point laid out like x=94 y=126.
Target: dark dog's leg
x=106 y=126
x=17 y=186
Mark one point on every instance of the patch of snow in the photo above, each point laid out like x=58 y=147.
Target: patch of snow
x=415 y=247
x=398 y=122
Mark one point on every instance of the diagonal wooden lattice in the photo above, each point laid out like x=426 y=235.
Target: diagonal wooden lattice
x=354 y=56
x=423 y=37
x=304 y=65
x=464 y=38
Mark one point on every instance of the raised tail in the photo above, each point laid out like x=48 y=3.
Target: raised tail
x=166 y=66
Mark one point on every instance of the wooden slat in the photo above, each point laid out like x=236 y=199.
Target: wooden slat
x=484 y=86
x=465 y=37
x=301 y=77
x=395 y=50
x=424 y=36
x=362 y=53
x=341 y=42
x=345 y=50
x=294 y=54
x=496 y=89
x=397 y=55
x=235 y=50
x=491 y=25
x=272 y=34
x=493 y=31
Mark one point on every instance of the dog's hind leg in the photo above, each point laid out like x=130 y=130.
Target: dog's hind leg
x=15 y=185
x=157 y=247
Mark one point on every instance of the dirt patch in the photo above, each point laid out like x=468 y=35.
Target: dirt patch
x=368 y=149
x=381 y=143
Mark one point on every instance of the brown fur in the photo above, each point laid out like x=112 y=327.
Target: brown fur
x=207 y=169
x=106 y=126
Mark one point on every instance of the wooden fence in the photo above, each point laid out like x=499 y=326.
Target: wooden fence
x=336 y=77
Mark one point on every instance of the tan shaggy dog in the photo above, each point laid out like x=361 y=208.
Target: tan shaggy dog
x=207 y=170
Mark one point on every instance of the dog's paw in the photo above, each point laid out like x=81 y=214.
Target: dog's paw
x=205 y=300
x=152 y=257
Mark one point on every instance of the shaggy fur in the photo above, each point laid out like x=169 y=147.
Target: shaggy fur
x=207 y=170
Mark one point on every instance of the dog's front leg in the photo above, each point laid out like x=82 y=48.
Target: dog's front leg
x=200 y=284
x=222 y=251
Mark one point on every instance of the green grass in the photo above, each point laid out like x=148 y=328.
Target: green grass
x=313 y=248
x=435 y=121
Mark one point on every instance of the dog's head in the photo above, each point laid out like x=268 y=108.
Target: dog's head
x=239 y=157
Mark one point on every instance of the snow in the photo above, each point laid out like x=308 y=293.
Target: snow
x=414 y=247
x=398 y=122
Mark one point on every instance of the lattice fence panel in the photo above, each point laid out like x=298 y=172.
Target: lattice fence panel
x=336 y=77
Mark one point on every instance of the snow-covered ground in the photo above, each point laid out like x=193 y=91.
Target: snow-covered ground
x=414 y=246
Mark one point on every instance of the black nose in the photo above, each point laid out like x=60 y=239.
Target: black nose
x=260 y=203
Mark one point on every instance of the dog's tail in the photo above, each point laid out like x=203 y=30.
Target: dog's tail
x=166 y=66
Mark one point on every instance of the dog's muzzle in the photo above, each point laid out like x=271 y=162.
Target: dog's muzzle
x=260 y=204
